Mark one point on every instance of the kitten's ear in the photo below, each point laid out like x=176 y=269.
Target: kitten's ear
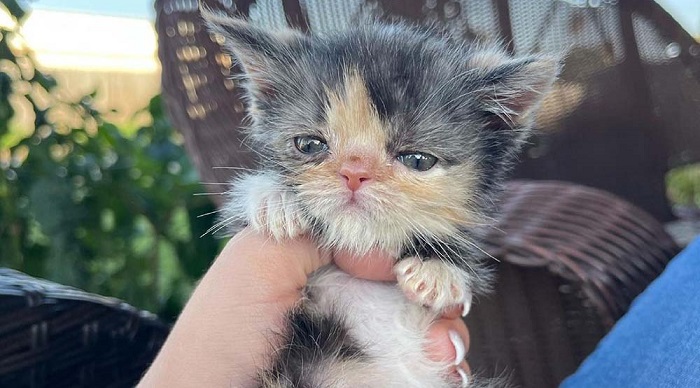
x=512 y=89
x=262 y=54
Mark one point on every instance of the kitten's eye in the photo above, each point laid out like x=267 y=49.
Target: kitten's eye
x=417 y=160
x=310 y=144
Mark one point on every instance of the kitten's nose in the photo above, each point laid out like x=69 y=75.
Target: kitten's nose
x=355 y=174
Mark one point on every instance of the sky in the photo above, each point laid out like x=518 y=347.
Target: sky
x=141 y=9
x=687 y=12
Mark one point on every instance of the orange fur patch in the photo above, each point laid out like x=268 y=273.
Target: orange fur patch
x=441 y=195
x=354 y=128
x=354 y=133
x=436 y=199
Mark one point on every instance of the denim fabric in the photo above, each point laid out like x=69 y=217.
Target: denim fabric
x=657 y=343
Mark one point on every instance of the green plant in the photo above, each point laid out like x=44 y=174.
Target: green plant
x=83 y=204
x=683 y=185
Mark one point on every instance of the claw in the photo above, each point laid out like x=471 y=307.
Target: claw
x=467 y=303
x=432 y=283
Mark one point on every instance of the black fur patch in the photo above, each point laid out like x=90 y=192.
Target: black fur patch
x=312 y=340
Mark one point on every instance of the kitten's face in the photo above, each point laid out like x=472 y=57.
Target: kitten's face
x=374 y=177
x=386 y=134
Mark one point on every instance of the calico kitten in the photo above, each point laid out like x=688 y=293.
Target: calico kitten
x=385 y=137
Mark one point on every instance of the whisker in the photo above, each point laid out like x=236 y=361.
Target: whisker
x=481 y=250
x=214 y=227
x=210 y=213
x=233 y=168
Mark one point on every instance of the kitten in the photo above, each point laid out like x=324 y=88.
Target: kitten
x=385 y=137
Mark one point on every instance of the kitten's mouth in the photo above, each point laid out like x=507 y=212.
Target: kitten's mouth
x=354 y=201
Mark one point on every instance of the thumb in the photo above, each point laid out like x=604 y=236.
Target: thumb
x=375 y=265
x=266 y=269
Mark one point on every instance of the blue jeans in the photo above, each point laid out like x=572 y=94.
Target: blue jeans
x=657 y=343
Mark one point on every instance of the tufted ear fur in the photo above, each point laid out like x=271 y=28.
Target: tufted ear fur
x=512 y=89
x=261 y=54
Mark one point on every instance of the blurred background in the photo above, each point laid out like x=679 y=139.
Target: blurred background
x=97 y=191
x=95 y=188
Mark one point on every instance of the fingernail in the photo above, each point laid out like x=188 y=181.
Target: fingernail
x=464 y=376
x=467 y=304
x=460 y=350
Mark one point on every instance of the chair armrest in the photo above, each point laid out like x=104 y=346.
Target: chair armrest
x=57 y=336
x=570 y=261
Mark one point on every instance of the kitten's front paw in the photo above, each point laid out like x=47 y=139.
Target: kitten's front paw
x=433 y=283
x=276 y=213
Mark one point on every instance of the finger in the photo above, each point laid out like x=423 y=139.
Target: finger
x=453 y=312
x=376 y=265
x=258 y=258
x=448 y=341
x=464 y=366
x=462 y=373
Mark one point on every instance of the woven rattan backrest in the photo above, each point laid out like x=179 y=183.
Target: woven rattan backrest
x=625 y=109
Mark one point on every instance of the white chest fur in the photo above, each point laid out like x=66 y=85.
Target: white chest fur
x=391 y=329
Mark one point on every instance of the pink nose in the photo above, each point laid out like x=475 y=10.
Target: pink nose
x=355 y=175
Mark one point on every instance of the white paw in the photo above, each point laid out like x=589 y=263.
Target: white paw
x=433 y=283
x=277 y=214
x=268 y=206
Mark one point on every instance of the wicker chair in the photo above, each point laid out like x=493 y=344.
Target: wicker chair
x=56 y=336
x=625 y=107
x=570 y=258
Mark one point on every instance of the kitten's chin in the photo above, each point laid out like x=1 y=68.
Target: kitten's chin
x=353 y=227
x=357 y=221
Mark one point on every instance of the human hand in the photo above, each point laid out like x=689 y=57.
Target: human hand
x=222 y=338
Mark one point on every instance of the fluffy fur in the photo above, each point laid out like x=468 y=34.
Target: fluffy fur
x=370 y=94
